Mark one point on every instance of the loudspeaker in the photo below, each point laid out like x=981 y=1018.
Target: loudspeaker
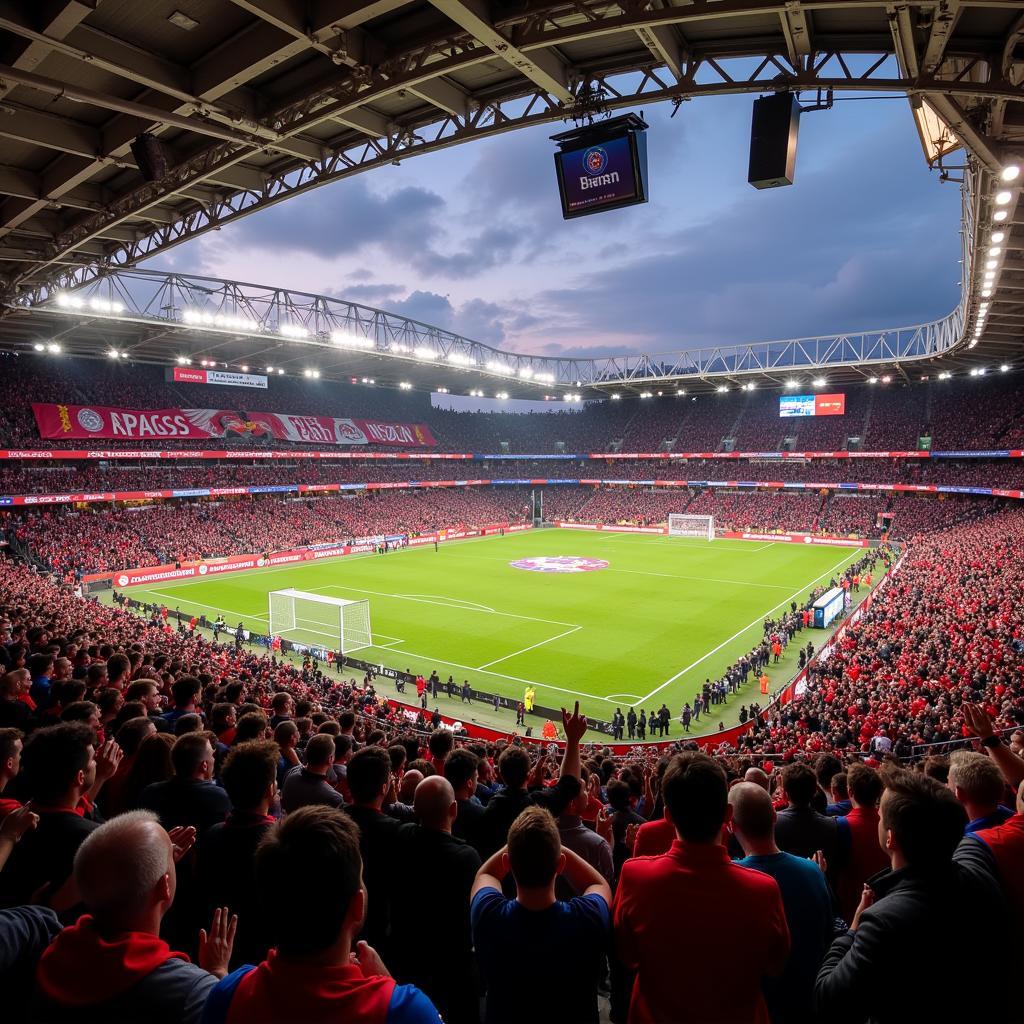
x=150 y=156
x=773 y=134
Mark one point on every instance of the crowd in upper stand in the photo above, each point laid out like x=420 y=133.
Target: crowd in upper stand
x=883 y=417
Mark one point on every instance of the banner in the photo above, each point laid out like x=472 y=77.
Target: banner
x=85 y=421
x=99 y=421
x=183 y=375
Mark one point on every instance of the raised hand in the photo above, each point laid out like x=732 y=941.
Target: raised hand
x=604 y=825
x=977 y=721
x=574 y=725
x=108 y=757
x=867 y=897
x=183 y=838
x=632 y=830
x=215 y=947
x=17 y=823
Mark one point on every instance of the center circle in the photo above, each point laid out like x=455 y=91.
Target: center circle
x=559 y=563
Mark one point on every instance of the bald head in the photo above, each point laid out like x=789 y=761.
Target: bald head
x=752 y=813
x=125 y=868
x=757 y=777
x=410 y=780
x=435 y=804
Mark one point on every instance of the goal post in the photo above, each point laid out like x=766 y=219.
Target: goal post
x=312 y=620
x=680 y=525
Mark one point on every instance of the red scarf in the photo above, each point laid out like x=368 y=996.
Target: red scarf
x=82 y=968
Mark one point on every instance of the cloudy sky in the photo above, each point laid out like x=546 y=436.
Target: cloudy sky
x=472 y=238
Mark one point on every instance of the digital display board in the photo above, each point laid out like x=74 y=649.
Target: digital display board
x=812 y=405
x=602 y=168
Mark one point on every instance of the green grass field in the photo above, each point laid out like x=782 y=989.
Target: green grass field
x=664 y=614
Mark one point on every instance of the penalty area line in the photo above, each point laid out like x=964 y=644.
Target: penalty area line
x=740 y=632
x=515 y=654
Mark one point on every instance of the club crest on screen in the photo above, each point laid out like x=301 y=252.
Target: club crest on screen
x=559 y=563
x=595 y=160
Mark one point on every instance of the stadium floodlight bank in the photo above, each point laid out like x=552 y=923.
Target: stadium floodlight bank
x=318 y=622
x=691 y=526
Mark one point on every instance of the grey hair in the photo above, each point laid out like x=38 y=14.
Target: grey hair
x=121 y=862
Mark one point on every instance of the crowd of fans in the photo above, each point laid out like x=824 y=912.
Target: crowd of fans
x=883 y=417
x=193 y=832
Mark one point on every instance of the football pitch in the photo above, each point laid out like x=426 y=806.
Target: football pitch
x=647 y=627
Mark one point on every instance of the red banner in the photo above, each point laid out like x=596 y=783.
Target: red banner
x=85 y=421
x=100 y=421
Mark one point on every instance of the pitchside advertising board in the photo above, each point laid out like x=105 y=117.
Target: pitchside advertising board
x=812 y=405
x=602 y=167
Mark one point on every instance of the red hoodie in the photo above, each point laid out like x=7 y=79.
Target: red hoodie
x=82 y=968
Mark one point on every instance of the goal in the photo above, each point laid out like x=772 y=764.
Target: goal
x=311 y=620
x=691 y=526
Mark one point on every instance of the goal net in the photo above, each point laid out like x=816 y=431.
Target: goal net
x=314 y=621
x=691 y=526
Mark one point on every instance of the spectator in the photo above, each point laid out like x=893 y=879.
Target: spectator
x=372 y=785
x=189 y=797
x=733 y=915
x=800 y=829
x=805 y=898
x=461 y=769
x=858 y=838
x=316 y=971
x=152 y=763
x=308 y=784
x=112 y=965
x=60 y=769
x=11 y=746
x=839 y=796
x=584 y=842
x=441 y=962
x=556 y=945
x=225 y=855
x=906 y=914
x=975 y=780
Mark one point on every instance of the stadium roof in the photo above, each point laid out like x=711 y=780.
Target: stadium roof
x=252 y=101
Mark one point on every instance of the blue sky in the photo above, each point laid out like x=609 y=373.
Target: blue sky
x=472 y=238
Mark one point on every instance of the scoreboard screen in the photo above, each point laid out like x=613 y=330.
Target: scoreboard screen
x=812 y=405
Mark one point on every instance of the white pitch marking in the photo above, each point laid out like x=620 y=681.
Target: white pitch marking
x=738 y=633
x=445 y=604
x=530 y=648
x=623 y=696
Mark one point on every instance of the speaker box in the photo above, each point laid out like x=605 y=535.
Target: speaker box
x=773 y=135
x=150 y=156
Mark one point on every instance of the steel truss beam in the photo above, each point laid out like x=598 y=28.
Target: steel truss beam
x=666 y=69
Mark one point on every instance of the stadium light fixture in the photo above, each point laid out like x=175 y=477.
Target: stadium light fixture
x=792 y=383
x=986 y=292
x=502 y=395
x=39 y=346
x=244 y=368
x=616 y=398
x=1010 y=172
x=721 y=389
x=405 y=386
x=270 y=369
x=999 y=216
x=945 y=375
x=1005 y=368
x=887 y=379
x=280 y=373
x=426 y=354
x=53 y=348
x=343 y=339
x=982 y=371
x=994 y=250
x=1003 y=198
x=991 y=264
x=820 y=382
x=459 y=359
x=646 y=394
x=66 y=301
x=998 y=236
x=293 y=331
x=113 y=353
x=680 y=393
x=872 y=380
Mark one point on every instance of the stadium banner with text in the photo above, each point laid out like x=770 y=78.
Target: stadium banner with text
x=46 y=454
x=56 y=421
x=185 y=375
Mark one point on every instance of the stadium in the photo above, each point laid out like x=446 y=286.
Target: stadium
x=575 y=573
